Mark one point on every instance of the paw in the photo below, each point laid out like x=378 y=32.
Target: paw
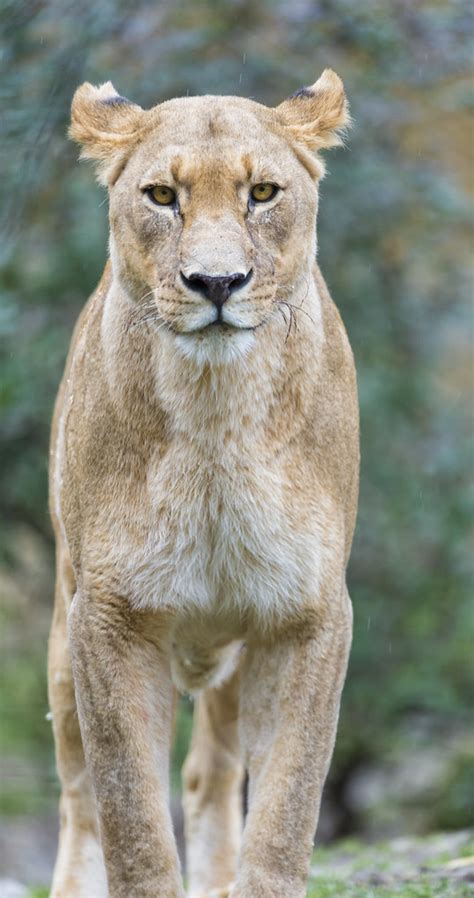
x=217 y=893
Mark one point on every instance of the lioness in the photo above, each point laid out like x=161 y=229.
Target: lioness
x=204 y=476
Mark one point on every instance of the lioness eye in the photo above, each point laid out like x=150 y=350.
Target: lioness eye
x=261 y=193
x=162 y=195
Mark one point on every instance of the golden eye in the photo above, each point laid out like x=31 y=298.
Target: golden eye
x=261 y=193
x=162 y=195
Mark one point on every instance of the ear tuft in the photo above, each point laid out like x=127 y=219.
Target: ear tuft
x=106 y=125
x=315 y=116
x=302 y=92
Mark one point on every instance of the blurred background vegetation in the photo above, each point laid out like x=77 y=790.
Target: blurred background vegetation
x=394 y=232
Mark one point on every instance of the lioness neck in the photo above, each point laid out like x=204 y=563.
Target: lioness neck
x=205 y=399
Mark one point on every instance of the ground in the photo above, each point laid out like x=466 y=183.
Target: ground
x=437 y=866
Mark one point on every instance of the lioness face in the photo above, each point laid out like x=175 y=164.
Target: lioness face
x=213 y=204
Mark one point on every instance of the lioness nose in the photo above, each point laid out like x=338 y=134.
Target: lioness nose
x=216 y=288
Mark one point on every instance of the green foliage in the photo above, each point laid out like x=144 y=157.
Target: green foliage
x=393 y=235
x=182 y=738
x=456 y=795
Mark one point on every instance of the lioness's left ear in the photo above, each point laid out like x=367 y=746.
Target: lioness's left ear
x=315 y=116
x=106 y=125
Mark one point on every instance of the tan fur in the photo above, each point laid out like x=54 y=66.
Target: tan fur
x=203 y=493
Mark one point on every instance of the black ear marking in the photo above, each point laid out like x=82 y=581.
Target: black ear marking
x=302 y=92
x=116 y=101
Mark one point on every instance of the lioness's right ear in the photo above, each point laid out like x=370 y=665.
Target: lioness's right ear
x=107 y=126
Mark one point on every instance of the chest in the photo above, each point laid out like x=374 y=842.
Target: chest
x=219 y=533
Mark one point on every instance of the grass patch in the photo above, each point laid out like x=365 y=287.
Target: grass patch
x=411 y=867
x=323 y=888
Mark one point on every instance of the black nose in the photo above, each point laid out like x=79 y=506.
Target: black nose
x=216 y=288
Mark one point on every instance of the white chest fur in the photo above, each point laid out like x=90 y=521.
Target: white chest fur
x=223 y=538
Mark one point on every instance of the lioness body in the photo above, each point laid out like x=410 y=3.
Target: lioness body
x=204 y=488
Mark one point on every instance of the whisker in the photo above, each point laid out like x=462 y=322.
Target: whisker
x=150 y=293
x=144 y=318
x=282 y=314
x=291 y=315
x=299 y=309
x=286 y=323
x=292 y=311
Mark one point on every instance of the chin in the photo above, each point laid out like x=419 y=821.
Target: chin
x=216 y=345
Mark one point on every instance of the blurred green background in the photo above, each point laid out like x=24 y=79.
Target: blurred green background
x=394 y=231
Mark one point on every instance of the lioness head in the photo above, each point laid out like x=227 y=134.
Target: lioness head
x=213 y=203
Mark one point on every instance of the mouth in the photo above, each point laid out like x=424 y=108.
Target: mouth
x=219 y=326
x=218 y=342
x=227 y=326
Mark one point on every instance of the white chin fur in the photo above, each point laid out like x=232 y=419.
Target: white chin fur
x=215 y=346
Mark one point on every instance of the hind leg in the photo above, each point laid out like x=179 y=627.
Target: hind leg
x=212 y=779
x=79 y=871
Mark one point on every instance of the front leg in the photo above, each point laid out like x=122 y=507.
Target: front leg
x=125 y=704
x=290 y=700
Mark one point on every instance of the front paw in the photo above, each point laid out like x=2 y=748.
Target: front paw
x=224 y=892
x=266 y=887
